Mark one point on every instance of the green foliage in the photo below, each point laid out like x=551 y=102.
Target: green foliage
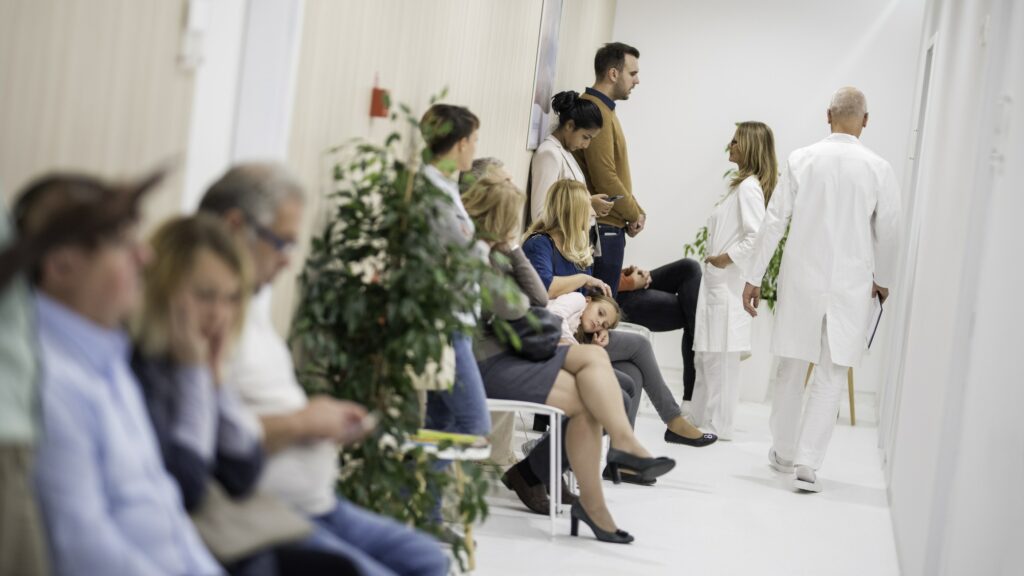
x=769 y=286
x=379 y=295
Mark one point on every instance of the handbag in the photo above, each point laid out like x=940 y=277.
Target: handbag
x=235 y=528
x=539 y=332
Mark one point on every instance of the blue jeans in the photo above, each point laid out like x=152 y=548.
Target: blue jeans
x=376 y=545
x=608 y=267
x=463 y=409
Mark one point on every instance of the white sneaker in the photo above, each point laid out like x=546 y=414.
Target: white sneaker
x=779 y=464
x=806 y=479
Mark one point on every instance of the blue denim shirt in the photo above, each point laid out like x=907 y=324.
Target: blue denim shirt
x=110 y=506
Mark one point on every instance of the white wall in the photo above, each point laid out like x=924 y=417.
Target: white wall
x=215 y=99
x=483 y=51
x=706 y=65
x=93 y=86
x=956 y=455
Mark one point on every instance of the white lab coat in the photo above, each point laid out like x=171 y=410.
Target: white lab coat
x=841 y=202
x=722 y=325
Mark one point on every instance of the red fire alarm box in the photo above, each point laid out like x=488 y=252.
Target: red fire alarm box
x=380 y=101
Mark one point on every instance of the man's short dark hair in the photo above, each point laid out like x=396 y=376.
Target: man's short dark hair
x=444 y=125
x=612 y=55
x=70 y=209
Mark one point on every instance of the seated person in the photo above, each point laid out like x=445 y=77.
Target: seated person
x=109 y=504
x=577 y=379
x=262 y=205
x=662 y=300
x=193 y=308
x=463 y=409
x=585 y=319
x=558 y=247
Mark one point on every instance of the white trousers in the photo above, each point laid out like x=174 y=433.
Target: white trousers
x=716 y=392
x=802 y=435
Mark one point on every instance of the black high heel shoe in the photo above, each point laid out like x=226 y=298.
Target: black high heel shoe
x=578 y=513
x=645 y=468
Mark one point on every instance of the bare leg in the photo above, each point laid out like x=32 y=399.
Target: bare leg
x=583 y=446
x=598 y=390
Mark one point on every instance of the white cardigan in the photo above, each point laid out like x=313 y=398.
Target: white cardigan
x=551 y=163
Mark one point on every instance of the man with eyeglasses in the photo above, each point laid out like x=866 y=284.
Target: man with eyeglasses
x=262 y=204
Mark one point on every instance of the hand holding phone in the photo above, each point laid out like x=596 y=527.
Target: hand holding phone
x=616 y=197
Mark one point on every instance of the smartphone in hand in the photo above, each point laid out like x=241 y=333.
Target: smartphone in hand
x=616 y=197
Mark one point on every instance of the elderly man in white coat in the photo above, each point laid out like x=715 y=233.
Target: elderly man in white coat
x=841 y=203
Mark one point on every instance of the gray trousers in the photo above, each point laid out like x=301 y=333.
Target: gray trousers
x=632 y=355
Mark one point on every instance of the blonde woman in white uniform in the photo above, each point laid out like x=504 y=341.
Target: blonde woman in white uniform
x=723 y=327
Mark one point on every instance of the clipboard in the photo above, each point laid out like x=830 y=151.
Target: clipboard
x=874 y=320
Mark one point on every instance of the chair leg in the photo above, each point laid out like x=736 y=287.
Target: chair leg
x=467 y=526
x=849 y=386
x=555 y=485
x=810 y=368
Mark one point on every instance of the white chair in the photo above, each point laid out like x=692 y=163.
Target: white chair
x=555 y=415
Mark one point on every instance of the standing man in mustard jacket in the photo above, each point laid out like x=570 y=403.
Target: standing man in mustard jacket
x=605 y=162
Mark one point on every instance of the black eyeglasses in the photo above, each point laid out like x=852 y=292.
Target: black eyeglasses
x=267 y=235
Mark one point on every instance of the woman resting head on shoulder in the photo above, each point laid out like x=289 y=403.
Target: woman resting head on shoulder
x=195 y=294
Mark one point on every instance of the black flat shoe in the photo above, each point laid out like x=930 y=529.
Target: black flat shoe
x=705 y=440
x=578 y=513
x=645 y=468
x=628 y=477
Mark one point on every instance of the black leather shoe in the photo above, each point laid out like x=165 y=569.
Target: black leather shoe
x=628 y=477
x=705 y=440
x=534 y=497
x=646 y=468
x=578 y=513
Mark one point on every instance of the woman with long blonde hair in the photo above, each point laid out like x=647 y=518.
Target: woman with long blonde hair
x=723 y=327
x=558 y=248
x=578 y=379
x=558 y=241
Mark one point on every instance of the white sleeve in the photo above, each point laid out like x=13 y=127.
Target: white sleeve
x=545 y=170
x=569 y=307
x=885 y=229
x=750 y=200
x=776 y=219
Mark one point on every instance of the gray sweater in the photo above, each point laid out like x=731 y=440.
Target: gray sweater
x=531 y=293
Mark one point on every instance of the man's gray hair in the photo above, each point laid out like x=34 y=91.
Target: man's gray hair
x=255 y=188
x=480 y=166
x=848 y=103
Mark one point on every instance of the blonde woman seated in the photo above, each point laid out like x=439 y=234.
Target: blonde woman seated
x=578 y=379
x=558 y=248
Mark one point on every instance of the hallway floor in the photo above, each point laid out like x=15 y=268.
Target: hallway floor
x=722 y=511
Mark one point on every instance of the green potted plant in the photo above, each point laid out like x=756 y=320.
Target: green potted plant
x=378 y=296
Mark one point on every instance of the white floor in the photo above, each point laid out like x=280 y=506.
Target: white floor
x=722 y=511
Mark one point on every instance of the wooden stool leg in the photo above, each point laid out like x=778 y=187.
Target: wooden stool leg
x=460 y=482
x=849 y=386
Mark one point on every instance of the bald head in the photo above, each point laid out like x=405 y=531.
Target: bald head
x=848 y=111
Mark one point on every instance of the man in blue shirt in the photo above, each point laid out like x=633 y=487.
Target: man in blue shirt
x=109 y=504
